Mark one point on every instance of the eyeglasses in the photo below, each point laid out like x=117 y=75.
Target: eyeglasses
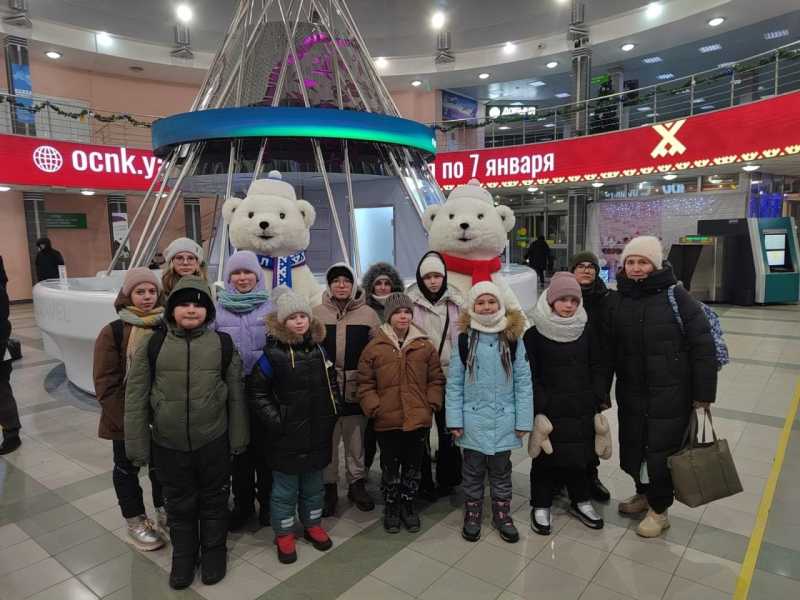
x=585 y=267
x=187 y=260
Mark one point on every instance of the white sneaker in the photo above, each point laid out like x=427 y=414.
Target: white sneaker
x=540 y=521
x=143 y=534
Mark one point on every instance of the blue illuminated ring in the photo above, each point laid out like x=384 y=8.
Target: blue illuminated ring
x=263 y=121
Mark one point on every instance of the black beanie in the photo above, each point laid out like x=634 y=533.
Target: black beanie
x=582 y=257
x=339 y=271
x=194 y=295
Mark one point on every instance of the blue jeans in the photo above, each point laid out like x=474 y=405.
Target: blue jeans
x=290 y=492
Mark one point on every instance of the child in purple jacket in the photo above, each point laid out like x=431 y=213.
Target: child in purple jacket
x=241 y=311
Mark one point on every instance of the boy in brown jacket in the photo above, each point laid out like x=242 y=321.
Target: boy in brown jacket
x=400 y=384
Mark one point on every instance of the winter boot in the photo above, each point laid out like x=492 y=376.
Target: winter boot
x=11 y=441
x=143 y=534
x=541 y=521
x=598 y=491
x=653 y=525
x=287 y=554
x=359 y=496
x=318 y=537
x=473 y=516
x=409 y=516
x=502 y=521
x=634 y=505
x=391 y=518
x=331 y=500
x=240 y=515
x=185 y=545
x=587 y=514
x=264 y=516
x=214 y=553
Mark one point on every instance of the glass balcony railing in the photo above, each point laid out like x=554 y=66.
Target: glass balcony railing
x=755 y=78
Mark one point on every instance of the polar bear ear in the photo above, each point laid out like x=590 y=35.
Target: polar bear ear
x=507 y=217
x=230 y=206
x=429 y=215
x=308 y=212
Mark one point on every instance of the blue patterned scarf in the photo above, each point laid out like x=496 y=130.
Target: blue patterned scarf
x=282 y=267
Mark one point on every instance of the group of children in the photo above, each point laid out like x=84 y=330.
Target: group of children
x=264 y=387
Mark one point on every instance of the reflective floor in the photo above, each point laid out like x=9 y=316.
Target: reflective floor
x=62 y=536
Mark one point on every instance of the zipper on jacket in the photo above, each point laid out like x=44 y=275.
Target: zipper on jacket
x=188 y=363
x=328 y=378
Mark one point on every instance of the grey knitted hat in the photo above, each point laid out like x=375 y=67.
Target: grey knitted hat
x=287 y=302
x=394 y=303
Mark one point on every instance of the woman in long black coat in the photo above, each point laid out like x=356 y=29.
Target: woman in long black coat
x=662 y=373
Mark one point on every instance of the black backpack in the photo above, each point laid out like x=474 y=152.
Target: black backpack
x=463 y=348
x=157 y=340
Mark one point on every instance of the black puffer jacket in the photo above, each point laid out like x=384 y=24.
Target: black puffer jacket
x=377 y=270
x=660 y=371
x=596 y=300
x=47 y=260
x=291 y=391
x=568 y=387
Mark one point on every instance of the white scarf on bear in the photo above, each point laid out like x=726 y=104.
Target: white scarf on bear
x=558 y=329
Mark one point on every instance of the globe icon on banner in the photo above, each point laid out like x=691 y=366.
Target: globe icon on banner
x=48 y=159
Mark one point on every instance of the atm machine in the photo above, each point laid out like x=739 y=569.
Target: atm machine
x=777 y=259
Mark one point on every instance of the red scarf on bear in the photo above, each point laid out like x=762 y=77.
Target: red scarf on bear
x=480 y=270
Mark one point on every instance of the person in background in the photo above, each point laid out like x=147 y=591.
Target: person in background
x=539 y=257
x=48 y=260
x=293 y=395
x=350 y=324
x=140 y=309
x=662 y=372
x=242 y=308
x=9 y=415
x=183 y=257
x=489 y=405
x=436 y=311
x=400 y=384
x=185 y=399
x=569 y=382
x=157 y=262
x=596 y=297
x=379 y=282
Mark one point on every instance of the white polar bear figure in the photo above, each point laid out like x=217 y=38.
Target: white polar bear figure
x=470 y=232
x=276 y=226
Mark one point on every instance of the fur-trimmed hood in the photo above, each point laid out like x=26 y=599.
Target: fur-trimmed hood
x=515 y=328
x=280 y=332
x=380 y=269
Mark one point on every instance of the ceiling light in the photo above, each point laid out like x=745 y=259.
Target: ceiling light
x=509 y=48
x=562 y=95
x=644 y=109
x=716 y=21
x=670 y=176
x=4 y=188
x=504 y=128
x=751 y=168
x=184 y=13
x=665 y=76
x=698 y=100
x=483 y=75
x=552 y=64
x=653 y=10
x=714 y=179
x=87 y=192
x=774 y=35
x=55 y=55
x=533 y=189
x=627 y=47
x=725 y=65
x=437 y=20
x=537 y=83
x=651 y=60
x=103 y=39
x=381 y=63
x=710 y=48
x=597 y=184
x=416 y=83
x=549 y=125
x=707 y=107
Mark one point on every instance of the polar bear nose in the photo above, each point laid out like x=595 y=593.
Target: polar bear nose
x=464 y=226
x=264 y=224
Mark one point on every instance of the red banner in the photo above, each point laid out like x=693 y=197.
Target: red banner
x=755 y=131
x=38 y=161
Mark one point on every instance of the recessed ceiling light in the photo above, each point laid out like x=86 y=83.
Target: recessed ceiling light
x=381 y=62
x=509 y=48
x=437 y=20
x=751 y=168
x=54 y=54
x=533 y=189
x=103 y=39
x=725 y=65
x=774 y=35
x=549 y=125
x=710 y=48
x=651 y=60
x=416 y=83
x=87 y=192
x=670 y=176
x=597 y=184
x=698 y=100
x=665 y=76
x=184 y=13
x=627 y=47
x=504 y=128
x=4 y=188
x=644 y=109
x=653 y=10
x=707 y=107
x=537 y=83
x=483 y=75
x=562 y=95
x=552 y=64
x=716 y=21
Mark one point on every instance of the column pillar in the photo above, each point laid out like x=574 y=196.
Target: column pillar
x=576 y=228
x=194 y=225
x=118 y=228
x=35 y=225
x=581 y=68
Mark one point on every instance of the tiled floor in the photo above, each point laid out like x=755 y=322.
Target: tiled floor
x=61 y=534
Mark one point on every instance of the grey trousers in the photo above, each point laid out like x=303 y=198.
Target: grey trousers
x=350 y=431
x=475 y=467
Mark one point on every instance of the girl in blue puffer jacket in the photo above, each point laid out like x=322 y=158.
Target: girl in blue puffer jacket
x=489 y=404
x=241 y=311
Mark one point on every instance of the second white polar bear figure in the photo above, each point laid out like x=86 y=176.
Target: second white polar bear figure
x=470 y=232
x=274 y=224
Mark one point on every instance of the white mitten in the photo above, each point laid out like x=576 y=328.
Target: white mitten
x=540 y=436
x=602 y=437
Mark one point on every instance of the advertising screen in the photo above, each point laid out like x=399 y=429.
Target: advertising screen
x=776 y=258
x=774 y=241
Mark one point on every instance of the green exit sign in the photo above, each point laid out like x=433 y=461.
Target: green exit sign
x=66 y=220
x=600 y=79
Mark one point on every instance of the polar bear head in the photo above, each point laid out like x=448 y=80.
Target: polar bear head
x=270 y=220
x=468 y=224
